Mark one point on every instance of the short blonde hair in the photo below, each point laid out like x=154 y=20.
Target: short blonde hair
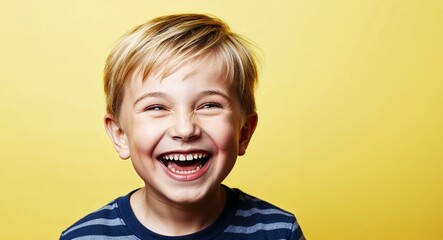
x=169 y=42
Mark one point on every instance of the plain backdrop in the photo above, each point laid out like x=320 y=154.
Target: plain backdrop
x=350 y=109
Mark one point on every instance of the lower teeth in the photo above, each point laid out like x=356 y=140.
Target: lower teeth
x=184 y=171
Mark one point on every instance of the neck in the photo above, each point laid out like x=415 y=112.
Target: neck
x=175 y=219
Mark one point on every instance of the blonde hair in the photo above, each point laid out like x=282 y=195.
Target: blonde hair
x=169 y=42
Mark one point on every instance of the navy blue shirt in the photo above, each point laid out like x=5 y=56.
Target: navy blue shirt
x=244 y=217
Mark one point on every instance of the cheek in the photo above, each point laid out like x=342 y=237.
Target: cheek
x=144 y=137
x=225 y=135
x=142 y=143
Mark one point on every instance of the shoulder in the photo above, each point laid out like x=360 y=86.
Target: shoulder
x=263 y=219
x=104 y=222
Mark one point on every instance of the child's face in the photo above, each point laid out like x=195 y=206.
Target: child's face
x=183 y=133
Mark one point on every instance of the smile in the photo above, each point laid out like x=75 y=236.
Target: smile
x=185 y=164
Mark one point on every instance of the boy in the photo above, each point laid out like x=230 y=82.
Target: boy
x=180 y=103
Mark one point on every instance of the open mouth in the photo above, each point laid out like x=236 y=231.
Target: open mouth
x=185 y=163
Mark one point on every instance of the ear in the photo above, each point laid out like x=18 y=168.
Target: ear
x=246 y=132
x=117 y=136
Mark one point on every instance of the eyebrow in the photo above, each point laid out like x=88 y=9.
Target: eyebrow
x=151 y=94
x=163 y=95
x=216 y=92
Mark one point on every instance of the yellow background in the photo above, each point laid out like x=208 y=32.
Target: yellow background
x=350 y=103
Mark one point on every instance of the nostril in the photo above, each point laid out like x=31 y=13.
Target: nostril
x=185 y=137
x=185 y=128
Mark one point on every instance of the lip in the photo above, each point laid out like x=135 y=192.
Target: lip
x=186 y=177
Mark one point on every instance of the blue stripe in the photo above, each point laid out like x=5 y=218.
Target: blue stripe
x=252 y=211
x=98 y=221
x=258 y=227
x=104 y=237
x=108 y=207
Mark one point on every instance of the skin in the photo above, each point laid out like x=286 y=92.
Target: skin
x=193 y=110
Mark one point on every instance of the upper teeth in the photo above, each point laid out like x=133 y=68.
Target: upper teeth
x=184 y=157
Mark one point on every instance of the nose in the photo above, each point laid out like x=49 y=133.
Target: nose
x=185 y=128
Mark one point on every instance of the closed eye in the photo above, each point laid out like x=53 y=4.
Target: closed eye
x=210 y=105
x=210 y=109
x=155 y=108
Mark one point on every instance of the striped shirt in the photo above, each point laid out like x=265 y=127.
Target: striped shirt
x=244 y=217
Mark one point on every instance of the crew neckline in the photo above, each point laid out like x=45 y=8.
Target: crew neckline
x=140 y=231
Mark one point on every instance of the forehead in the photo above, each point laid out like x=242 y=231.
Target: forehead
x=206 y=72
x=165 y=64
x=209 y=64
